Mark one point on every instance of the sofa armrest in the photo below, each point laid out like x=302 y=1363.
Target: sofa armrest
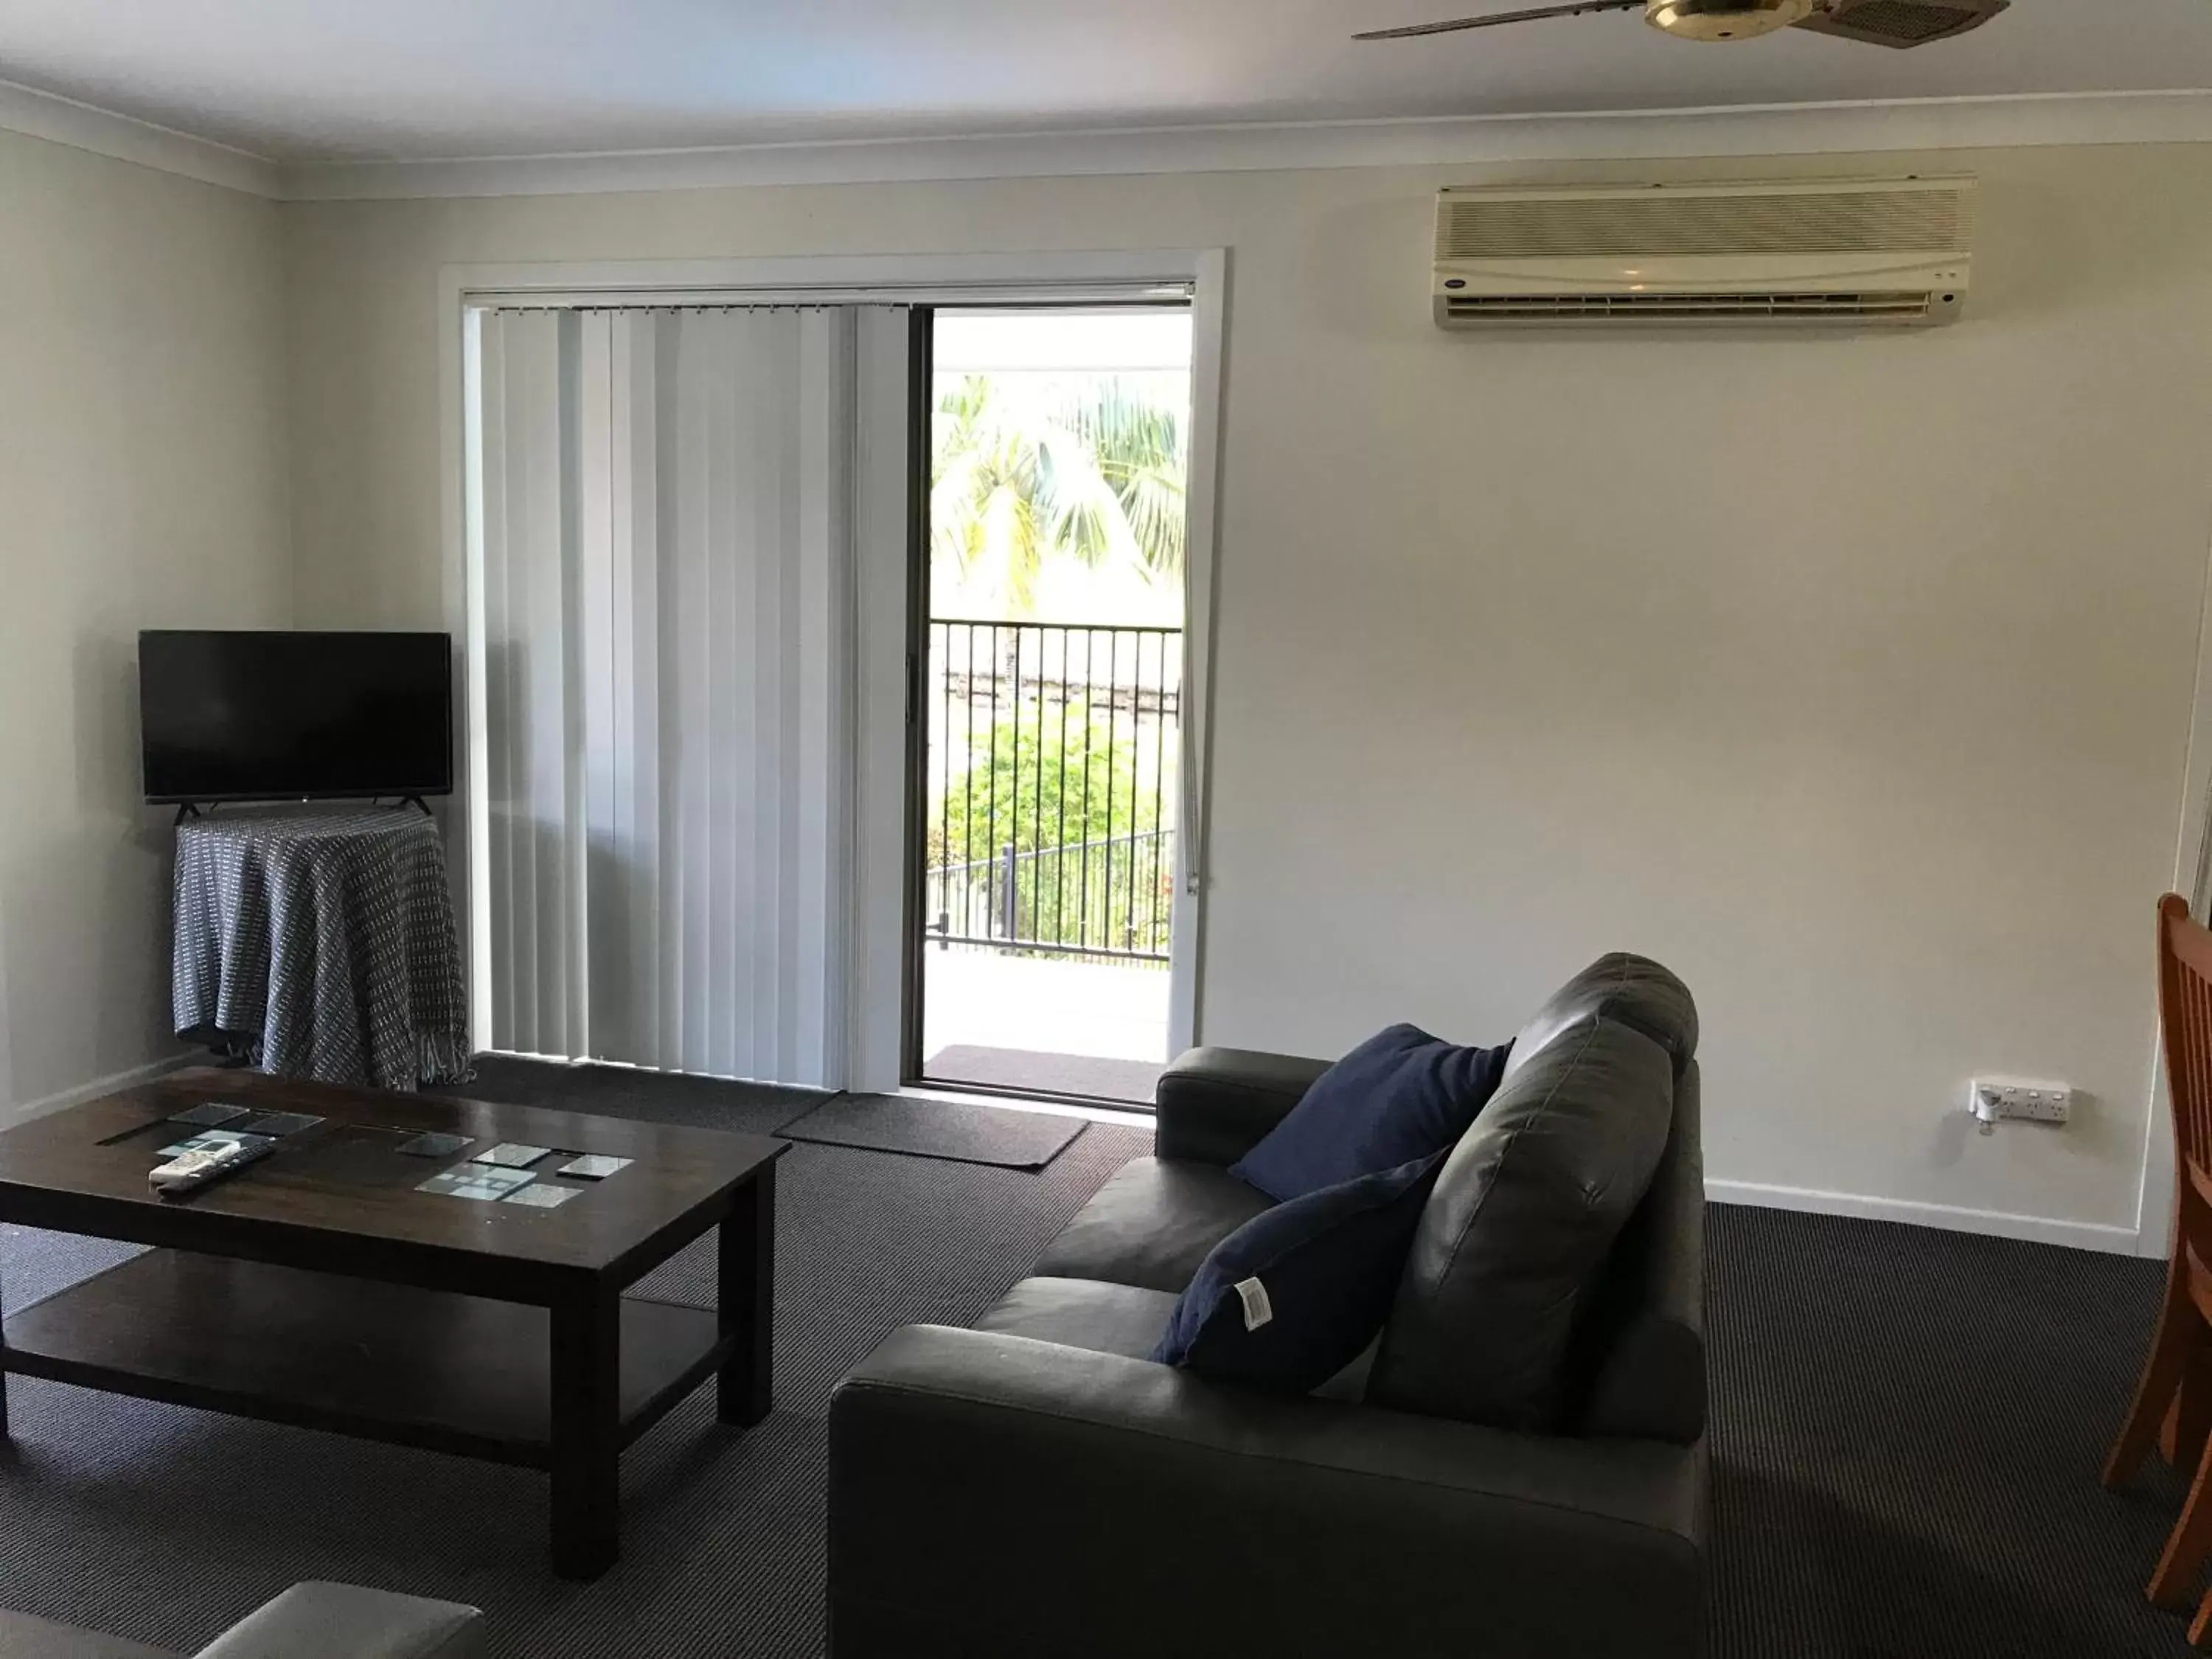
x=994 y=1494
x=1216 y=1104
x=344 y=1621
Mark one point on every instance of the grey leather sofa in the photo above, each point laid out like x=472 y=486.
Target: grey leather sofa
x=1037 y=1486
x=307 y=1621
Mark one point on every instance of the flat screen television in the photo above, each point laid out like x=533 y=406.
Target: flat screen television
x=295 y=716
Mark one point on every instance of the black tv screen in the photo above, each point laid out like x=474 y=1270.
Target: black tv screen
x=267 y=716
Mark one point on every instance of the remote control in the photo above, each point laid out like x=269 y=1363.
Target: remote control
x=180 y=1177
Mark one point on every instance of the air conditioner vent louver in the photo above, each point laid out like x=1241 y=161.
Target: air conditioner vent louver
x=1665 y=223
x=1818 y=250
x=1712 y=307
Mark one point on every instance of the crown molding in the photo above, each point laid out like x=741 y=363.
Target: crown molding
x=2175 y=116
x=2179 y=116
x=82 y=126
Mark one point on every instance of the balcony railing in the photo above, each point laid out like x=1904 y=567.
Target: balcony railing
x=1053 y=755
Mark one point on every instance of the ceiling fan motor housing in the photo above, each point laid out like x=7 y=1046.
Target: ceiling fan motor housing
x=1724 y=20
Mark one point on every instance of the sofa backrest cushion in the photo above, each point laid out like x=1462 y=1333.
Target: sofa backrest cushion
x=1400 y=1095
x=1296 y=1294
x=1519 y=1225
x=1633 y=991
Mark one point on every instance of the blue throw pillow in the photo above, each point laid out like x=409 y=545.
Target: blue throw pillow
x=1400 y=1094
x=1292 y=1296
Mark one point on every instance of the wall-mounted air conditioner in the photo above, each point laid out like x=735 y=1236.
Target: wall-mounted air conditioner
x=1856 y=251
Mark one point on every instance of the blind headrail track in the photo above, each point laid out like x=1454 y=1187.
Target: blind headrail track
x=1167 y=292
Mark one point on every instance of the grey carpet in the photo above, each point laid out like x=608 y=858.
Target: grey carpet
x=1907 y=1430
x=1906 y=1434
x=1085 y=1076
x=937 y=1128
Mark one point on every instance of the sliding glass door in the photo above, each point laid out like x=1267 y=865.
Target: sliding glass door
x=1049 y=763
x=827 y=664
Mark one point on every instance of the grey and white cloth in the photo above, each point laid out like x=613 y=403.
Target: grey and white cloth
x=323 y=942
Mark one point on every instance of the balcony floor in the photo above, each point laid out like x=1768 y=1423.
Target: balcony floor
x=1055 y=1025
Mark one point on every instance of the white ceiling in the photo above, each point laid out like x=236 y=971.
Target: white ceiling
x=305 y=80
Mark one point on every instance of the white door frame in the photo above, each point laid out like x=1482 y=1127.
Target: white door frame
x=872 y=1038
x=2154 y=1204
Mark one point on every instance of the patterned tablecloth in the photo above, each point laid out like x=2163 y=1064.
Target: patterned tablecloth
x=323 y=943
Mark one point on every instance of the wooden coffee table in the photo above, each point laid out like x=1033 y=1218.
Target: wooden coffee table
x=318 y=1287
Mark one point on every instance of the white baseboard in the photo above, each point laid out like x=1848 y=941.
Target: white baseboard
x=112 y=1084
x=2040 y=1230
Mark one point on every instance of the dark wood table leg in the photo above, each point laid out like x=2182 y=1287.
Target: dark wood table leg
x=746 y=1298
x=587 y=1434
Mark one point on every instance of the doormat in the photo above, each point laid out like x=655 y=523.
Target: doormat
x=1112 y=1082
x=937 y=1128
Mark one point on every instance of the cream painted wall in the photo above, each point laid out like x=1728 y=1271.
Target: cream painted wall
x=1850 y=676
x=142 y=484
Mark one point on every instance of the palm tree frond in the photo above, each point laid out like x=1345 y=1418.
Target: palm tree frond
x=1092 y=471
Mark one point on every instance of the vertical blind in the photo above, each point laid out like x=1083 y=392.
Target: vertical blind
x=663 y=510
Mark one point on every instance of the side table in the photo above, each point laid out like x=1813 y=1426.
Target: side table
x=322 y=941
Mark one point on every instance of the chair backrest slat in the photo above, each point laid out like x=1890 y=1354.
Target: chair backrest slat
x=2194 y=1033
x=2185 y=993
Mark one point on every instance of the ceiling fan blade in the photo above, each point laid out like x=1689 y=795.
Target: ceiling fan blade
x=1496 y=18
x=1899 y=23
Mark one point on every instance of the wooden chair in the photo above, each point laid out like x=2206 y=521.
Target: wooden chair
x=2173 y=1401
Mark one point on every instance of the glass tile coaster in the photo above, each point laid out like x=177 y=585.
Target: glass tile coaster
x=480 y=1183
x=592 y=1167
x=433 y=1146
x=209 y=1140
x=513 y=1154
x=210 y=1115
x=543 y=1196
x=279 y=1123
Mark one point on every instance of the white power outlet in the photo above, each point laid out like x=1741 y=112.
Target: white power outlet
x=1995 y=1099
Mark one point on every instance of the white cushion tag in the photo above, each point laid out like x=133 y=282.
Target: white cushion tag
x=1254 y=1294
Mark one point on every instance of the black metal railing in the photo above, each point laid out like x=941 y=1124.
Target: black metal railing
x=1052 y=759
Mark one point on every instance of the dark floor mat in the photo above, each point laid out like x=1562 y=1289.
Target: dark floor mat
x=937 y=1128
x=1086 y=1077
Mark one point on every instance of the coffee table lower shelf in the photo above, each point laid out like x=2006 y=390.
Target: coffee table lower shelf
x=380 y=1362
